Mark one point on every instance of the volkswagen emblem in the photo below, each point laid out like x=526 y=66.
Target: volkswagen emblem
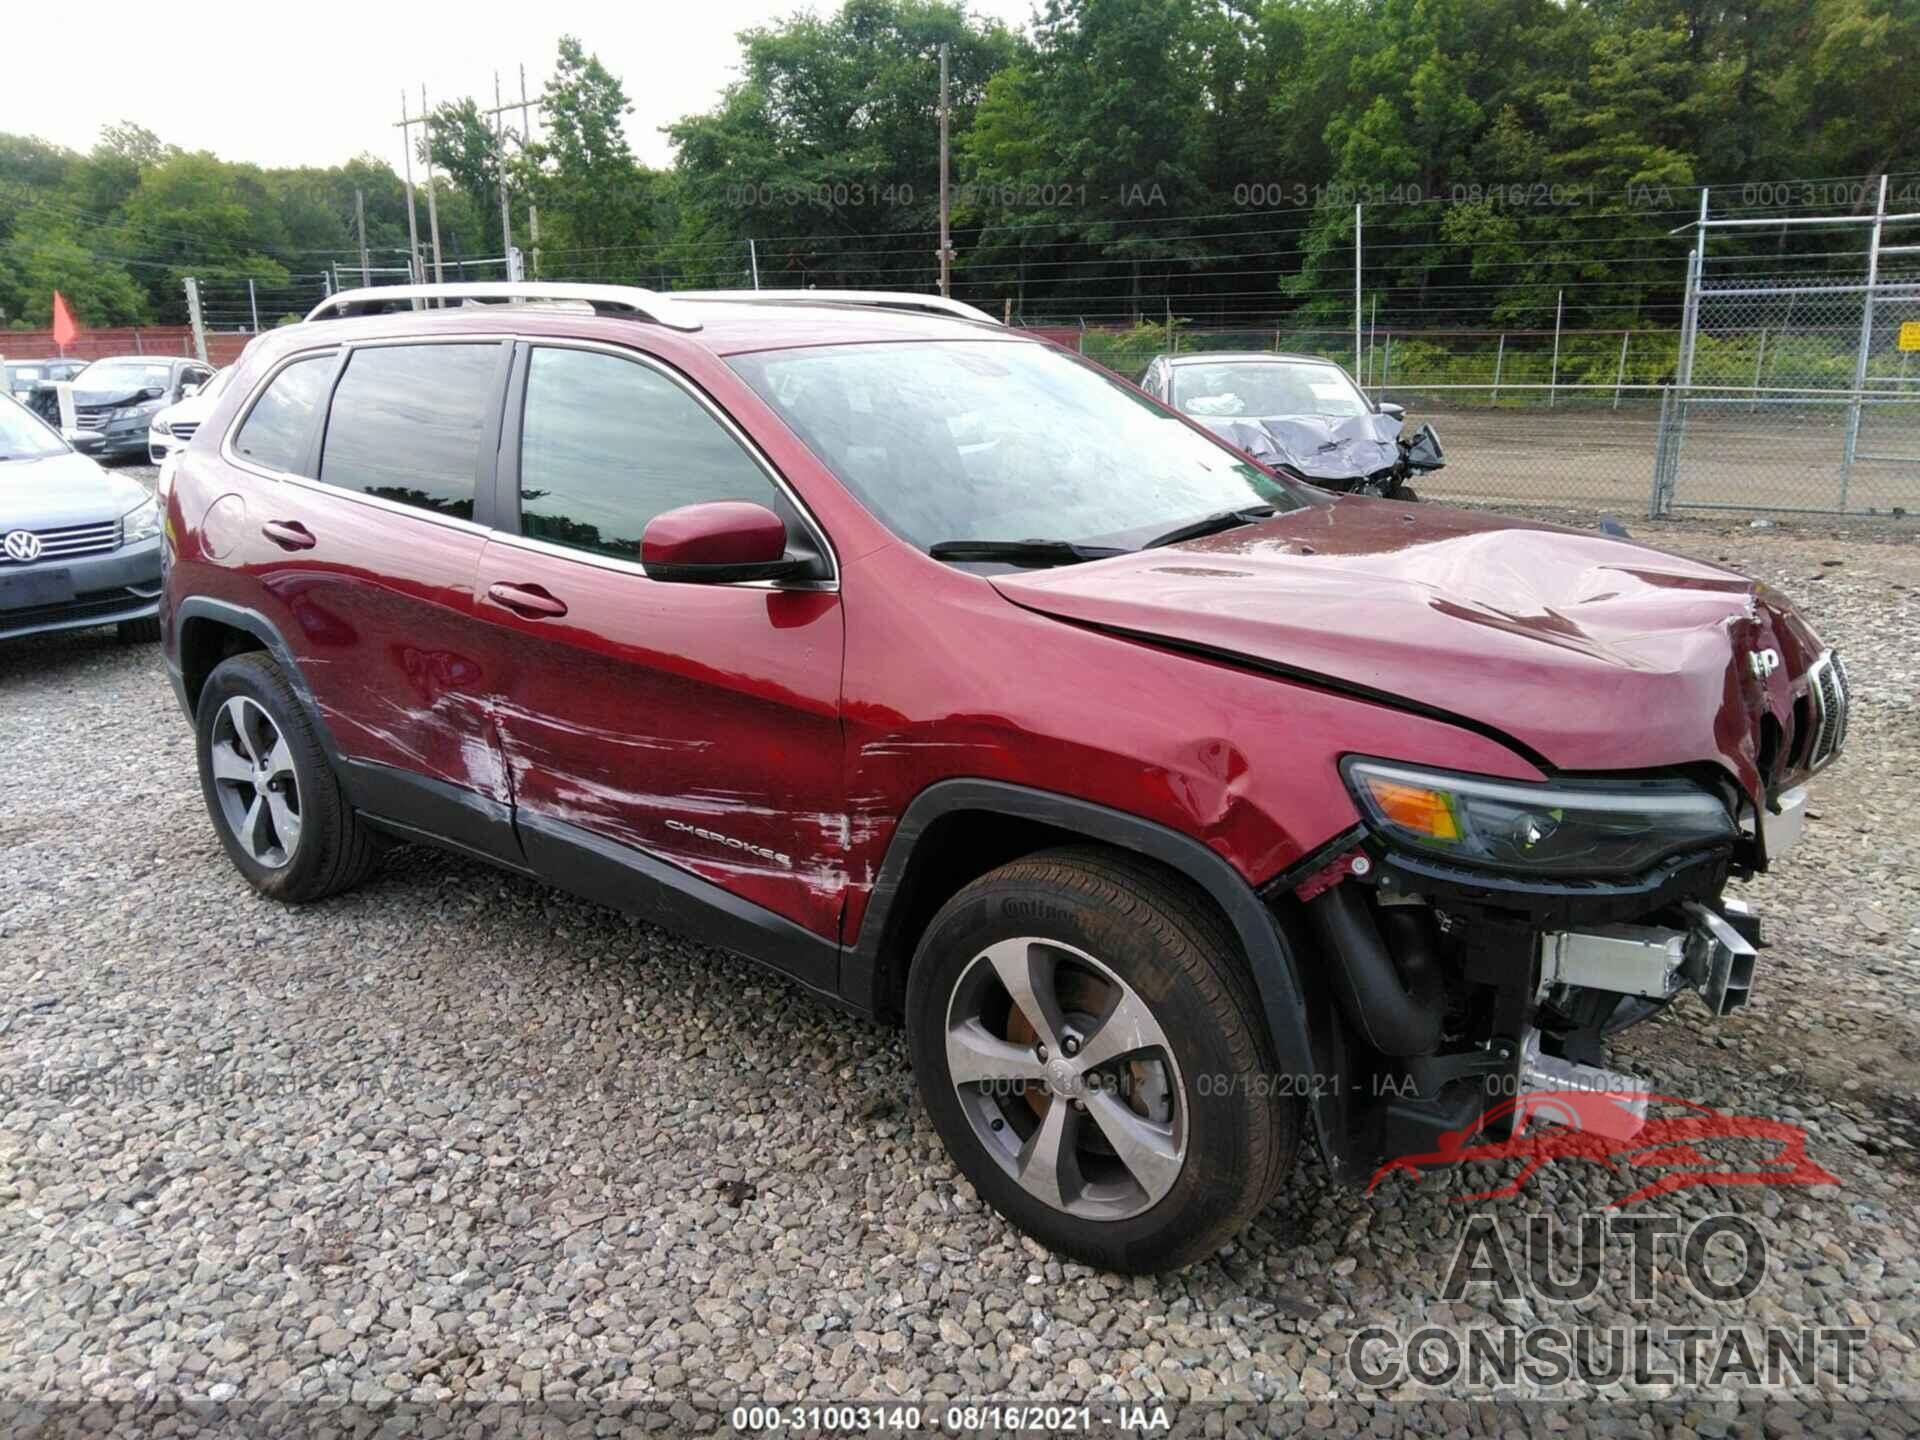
x=21 y=545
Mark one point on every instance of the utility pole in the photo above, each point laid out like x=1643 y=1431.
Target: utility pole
x=414 y=268
x=500 y=161
x=360 y=223
x=196 y=319
x=499 y=113
x=946 y=249
x=433 y=209
x=533 y=210
x=753 y=259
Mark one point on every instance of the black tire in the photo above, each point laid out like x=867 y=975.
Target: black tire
x=335 y=848
x=139 y=632
x=1164 y=940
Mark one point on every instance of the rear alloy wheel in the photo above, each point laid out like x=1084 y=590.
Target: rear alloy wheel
x=253 y=777
x=269 y=788
x=1087 y=1040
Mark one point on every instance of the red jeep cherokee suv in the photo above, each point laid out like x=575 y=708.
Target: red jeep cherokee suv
x=1177 y=808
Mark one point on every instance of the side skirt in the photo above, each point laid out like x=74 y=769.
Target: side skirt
x=602 y=870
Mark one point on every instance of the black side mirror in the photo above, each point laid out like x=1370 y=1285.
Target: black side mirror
x=1423 y=450
x=154 y=392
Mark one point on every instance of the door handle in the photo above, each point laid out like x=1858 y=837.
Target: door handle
x=289 y=534
x=528 y=600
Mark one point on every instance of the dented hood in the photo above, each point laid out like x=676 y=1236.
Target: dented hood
x=1318 y=447
x=1584 y=652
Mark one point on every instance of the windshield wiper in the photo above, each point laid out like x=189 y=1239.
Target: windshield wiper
x=1211 y=524
x=1022 y=552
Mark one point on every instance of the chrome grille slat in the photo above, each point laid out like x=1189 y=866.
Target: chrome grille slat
x=183 y=429
x=67 y=541
x=1827 y=685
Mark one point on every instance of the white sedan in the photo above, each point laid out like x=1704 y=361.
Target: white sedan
x=172 y=427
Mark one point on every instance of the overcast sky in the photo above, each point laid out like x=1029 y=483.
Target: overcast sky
x=315 y=85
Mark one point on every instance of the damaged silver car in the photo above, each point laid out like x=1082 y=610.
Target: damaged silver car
x=1300 y=414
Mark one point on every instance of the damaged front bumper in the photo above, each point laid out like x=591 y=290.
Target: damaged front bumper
x=1444 y=993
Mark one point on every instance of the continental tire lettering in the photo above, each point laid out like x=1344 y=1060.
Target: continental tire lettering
x=1017 y=909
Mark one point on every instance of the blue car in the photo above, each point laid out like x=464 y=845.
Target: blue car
x=78 y=546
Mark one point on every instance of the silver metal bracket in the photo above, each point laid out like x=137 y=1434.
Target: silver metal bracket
x=1627 y=959
x=1725 y=958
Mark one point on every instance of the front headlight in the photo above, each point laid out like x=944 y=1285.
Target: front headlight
x=1566 y=827
x=140 y=523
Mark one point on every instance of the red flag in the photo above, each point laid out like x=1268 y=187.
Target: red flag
x=65 y=332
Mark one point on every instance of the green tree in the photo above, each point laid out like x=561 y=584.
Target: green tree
x=828 y=148
x=44 y=254
x=461 y=141
x=1857 y=85
x=595 y=200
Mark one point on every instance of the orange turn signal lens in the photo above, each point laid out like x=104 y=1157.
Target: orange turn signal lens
x=1419 y=809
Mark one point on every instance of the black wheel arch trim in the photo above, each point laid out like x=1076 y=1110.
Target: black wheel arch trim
x=1271 y=955
x=239 y=617
x=428 y=808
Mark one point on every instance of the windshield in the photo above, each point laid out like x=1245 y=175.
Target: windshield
x=1002 y=440
x=117 y=376
x=22 y=437
x=1267 y=387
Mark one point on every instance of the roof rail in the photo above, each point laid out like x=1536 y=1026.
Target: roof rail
x=879 y=299
x=628 y=300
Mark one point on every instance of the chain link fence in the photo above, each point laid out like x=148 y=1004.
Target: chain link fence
x=1780 y=391
x=1797 y=388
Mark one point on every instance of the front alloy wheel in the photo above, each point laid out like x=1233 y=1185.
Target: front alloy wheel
x=1087 y=1038
x=1067 y=1078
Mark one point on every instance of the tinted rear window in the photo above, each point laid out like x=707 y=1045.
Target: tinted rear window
x=406 y=423
x=275 y=431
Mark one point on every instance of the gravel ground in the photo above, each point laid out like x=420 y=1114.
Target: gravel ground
x=457 y=1137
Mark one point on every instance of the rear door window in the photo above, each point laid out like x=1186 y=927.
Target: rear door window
x=276 y=430
x=407 y=421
